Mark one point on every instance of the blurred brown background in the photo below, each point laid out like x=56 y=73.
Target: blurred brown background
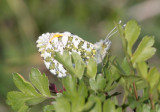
x=22 y=21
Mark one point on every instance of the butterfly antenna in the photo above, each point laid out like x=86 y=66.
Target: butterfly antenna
x=112 y=32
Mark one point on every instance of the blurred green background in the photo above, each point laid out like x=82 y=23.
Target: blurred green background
x=22 y=21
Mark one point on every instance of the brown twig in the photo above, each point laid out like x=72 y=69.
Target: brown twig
x=151 y=99
x=135 y=91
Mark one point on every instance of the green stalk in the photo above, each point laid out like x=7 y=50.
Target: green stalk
x=124 y=44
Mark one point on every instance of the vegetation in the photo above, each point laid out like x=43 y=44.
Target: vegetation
x=94 y=88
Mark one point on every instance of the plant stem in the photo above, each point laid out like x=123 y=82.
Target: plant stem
x=124 y=44
x=124 y=99
x=135 y=91
x=151 y=99
x=132 y=73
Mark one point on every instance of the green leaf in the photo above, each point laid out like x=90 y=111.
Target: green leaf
x=153 y=77
x=77 y=104
x=101 y=82
x=66 y=61
x=110 y=86
x=98 y=84
x=70 y=85
x=119 y=69
x=40 y=81
x=126 y=67
x=101 y=96
x=48 y=108
x=16 y=100
x=132 y=102
x=82 y=89
x=24 y=85
x=119 y=110
x=93 y=84
x=141 y=84
x=91 y=68
x=79 y=65
x=157 y=108
x=88 y=106
x=76 y=68
x=62 y=105
x=109 y=106
x=144 y=50
x=159 y=87
x=20 y=101
x=34 y=100
x=108 y=68
x=24 y=108
x=132 y=78
x=132 y=31
x=97 y=107
x=144 y=108
x=142 y=69
x=112 y=76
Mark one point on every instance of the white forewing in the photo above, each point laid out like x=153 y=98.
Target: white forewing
x=47 y=45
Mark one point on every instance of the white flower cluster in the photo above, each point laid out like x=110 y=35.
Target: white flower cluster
x=49 y=43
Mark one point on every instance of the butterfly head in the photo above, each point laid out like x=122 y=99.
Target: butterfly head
x=102 y=48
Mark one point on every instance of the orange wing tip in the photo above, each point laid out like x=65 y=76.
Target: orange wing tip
x=55 y=36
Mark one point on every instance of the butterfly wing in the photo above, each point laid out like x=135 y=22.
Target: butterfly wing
x=48 y=44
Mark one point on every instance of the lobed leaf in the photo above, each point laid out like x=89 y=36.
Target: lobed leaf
x=79 y=65
x=144 y=50
x=34 y=100
x=98 y=84
x=88 y=106
x=82 y=89
x=109 y=106
x=70 y=85
x=91 y=68
x=157 y=108
x=24 y=85
x=48 y=108
x=62 y=105
x=16 y=100
x=119 y=69
x=153 y=77
x=65 y=60
x=97 y=107
x=141 y=84
x=40 y=81
x=77 y=104
x=21 y=101
x=142 y=69
x=119 y=109
x=126 y=67
x=132 y=78
x=74 y=68
x=132 y=31
x=144 y=108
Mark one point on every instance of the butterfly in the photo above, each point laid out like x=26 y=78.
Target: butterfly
x=48 y=43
